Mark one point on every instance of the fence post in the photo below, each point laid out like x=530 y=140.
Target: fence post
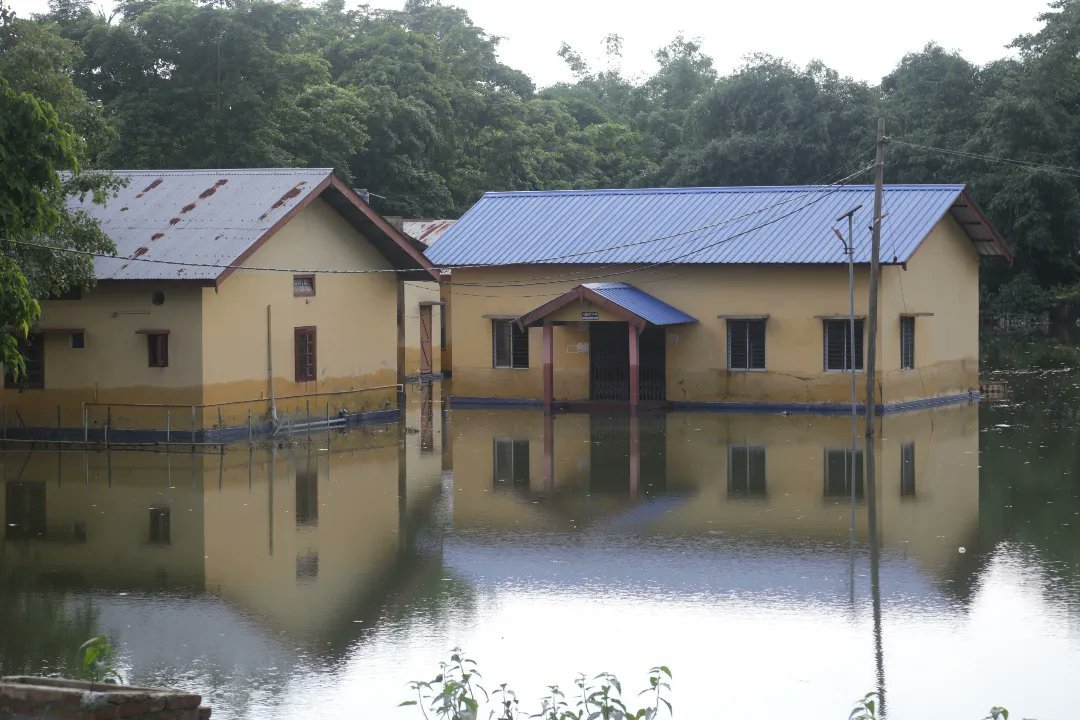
x=5 y=422
x=168 y=426
x=108 y=423
x=192 y=428
x=59 y=426
x=85 y=425
x=307 y=412
x=249 y=426
x=220 y=423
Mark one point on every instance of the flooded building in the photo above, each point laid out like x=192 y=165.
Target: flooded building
x=713 y=297
x=425 y=321
x=236 y=297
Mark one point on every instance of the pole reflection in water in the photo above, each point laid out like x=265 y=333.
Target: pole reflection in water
x=875 y=571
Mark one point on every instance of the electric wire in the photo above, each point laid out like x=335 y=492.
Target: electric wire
x=1025 y=164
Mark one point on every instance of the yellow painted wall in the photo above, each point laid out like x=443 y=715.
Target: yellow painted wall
x=942 y=278
x=355 y=317
x=417 y=292
x=114 y=367
x=943 y=275
x=218 y=340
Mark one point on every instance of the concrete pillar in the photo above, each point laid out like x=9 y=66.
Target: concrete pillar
x=635 y=367
x=549 y=358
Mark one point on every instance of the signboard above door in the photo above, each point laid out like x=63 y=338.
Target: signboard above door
x=590 y=315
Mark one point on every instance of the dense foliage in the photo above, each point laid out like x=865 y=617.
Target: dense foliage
x=415 y=106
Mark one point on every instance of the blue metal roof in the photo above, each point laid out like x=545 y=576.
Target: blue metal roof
x=789 y=224
x=640 y=303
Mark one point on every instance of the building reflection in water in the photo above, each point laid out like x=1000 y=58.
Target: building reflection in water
x=775 y=479
x=261 y=551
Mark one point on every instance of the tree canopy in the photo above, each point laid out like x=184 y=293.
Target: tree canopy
x=415 y=105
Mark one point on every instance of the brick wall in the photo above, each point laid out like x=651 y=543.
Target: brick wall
x=33 y=698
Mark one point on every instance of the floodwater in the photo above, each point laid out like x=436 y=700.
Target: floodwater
x=317 y=579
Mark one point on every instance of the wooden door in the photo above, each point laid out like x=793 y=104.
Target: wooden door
x=425 y=339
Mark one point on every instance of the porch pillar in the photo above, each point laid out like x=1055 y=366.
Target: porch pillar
x=635 y=369
x=549 y=357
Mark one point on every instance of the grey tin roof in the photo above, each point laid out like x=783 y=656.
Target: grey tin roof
x=789 y=224
x=640 y=303
x=216 y=218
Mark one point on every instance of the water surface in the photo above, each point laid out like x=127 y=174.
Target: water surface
x=317 y=578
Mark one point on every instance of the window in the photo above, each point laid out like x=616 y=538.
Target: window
x=77 y=340
x=746 y=344
x=160 y=531
x=303 y=285
x=305 y=353
x=907 y=343
x=158 y=346
x=838 y=473
x=510 y=344
x=32 y=350
x=307 y=498
x=746 y=471
x=837 y=344
x=511 y=462
x=907 y=470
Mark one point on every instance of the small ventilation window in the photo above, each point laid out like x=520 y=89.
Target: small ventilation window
x=303 y=285
x=158 y=298
x=77 y=340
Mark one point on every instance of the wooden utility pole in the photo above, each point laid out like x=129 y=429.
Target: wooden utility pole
x=875 y=270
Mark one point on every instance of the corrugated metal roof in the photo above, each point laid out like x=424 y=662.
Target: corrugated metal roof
x=193 y=216
x=640 y=303
x=790 y=224
x=426 y=231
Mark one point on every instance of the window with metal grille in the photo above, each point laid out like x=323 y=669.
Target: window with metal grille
x=304 y=346
x=157 y=345
x=510 y=344
x=32 y=350
x=303 y=285
x=746 y=344
x=907 y=470
x=746 y=471
x=77 y=340
x=907 y=343
x=838 y=473
x=838 y=344
x=510 y=468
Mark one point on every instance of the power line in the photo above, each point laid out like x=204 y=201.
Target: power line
x=1026 y=164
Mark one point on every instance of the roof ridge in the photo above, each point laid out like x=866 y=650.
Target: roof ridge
x=215 y=171
x=705 y=190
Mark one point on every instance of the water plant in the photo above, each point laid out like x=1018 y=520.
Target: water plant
x=456 y=694
x=95 y=662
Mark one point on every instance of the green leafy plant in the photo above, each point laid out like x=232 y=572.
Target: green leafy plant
x=95 y=662
x=997 y=713
x=455 y=694
x=866 y=708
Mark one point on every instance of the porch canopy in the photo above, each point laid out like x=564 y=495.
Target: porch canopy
x=613 y=301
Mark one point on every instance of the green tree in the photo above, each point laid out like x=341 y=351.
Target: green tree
x=34 y=148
